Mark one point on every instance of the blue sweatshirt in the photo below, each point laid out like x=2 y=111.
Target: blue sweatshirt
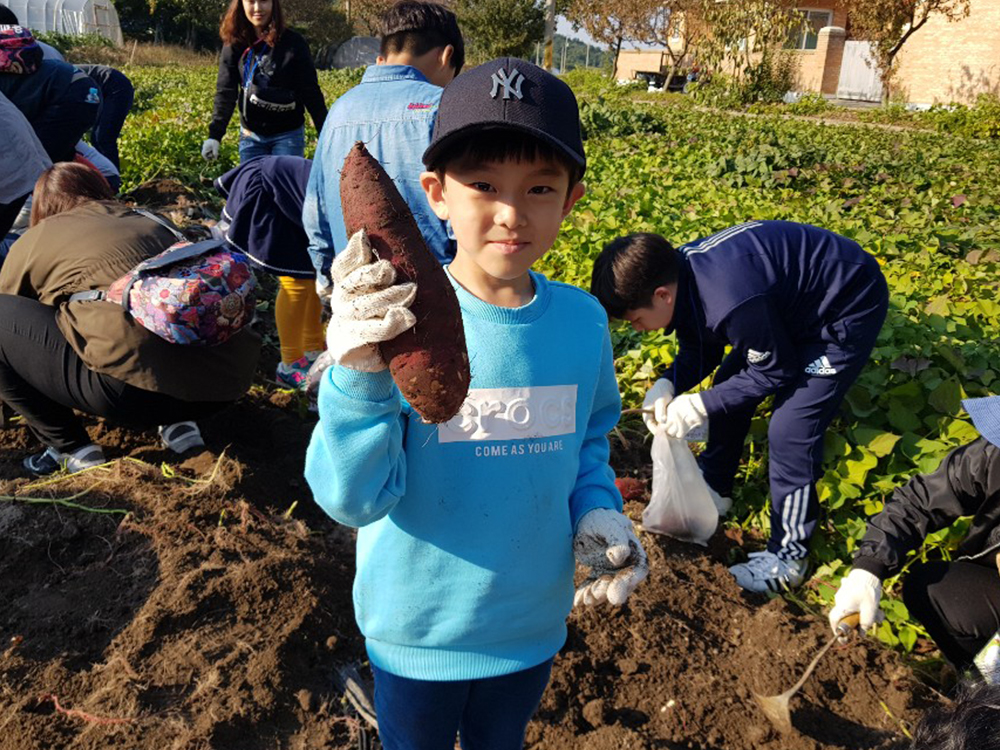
x=464 y=556
x=772 y=290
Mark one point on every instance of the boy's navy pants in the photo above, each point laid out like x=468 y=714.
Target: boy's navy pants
x=802 y=412
x=487 y=714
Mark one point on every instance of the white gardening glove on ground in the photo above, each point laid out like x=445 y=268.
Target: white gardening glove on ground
x=657 y=399
x=860 y=591
x=606 y=543
x=366 y=306
x=210 y=149
x=685 y=415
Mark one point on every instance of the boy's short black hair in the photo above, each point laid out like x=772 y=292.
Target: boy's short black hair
x=970 y=722
x=416 y=28
x=7 y=17
x=500 y=145
x=630 y=268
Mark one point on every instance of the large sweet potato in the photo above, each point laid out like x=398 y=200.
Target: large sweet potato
x=429 y=362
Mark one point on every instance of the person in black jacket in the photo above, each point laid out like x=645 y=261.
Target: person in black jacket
x=117 y=95
x=59 y=100
x=267 y=70
x=957 y=601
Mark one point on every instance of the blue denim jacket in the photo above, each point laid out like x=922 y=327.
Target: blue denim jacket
x=392 y=111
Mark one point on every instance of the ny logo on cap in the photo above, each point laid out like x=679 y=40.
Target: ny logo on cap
x=511 y=83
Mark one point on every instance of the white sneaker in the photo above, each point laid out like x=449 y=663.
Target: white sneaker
x=766 y=572
x=722 y=504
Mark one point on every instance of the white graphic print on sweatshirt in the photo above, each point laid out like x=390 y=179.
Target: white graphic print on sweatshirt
x=512 y=414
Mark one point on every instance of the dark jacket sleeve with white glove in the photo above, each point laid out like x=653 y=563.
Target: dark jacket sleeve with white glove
x=966 y=484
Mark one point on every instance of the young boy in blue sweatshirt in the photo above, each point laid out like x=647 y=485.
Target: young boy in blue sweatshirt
x=392 y=111
x=801 y=308
x=468 y=529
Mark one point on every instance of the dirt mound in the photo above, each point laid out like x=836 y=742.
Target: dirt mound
x=211 y=616
x=199 y=619
x=677 y=667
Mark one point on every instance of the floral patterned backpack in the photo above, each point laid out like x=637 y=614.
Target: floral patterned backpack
x=19 y=52
x=197 y=293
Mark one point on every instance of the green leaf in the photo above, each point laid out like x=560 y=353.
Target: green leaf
x=858 y=468
x=835 y=447
x=902 y=417
x=878 y=442
x=907 y=637
x=947 y=397
x=860 y=401
x=960 y=432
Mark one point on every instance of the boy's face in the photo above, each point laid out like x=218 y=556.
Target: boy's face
x=505 y=215
x=658 y=314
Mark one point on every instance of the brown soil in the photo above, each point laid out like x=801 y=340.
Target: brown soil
x=215 y=614
x=208 y=618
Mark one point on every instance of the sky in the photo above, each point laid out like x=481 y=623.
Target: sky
x=566 y=29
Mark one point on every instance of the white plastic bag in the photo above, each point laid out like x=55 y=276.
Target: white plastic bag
x=681 y=506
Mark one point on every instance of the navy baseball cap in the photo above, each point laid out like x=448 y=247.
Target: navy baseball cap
x=509 y=94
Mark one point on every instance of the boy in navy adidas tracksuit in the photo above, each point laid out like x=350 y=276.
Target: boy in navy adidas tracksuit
x=801 y=308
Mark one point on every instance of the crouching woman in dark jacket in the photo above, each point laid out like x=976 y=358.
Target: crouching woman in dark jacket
x=957 y=601
x=58 y=355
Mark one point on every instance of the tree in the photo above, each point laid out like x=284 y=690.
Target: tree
x=674 y=25
x=187 y=20
x=888 y=24
x=496 y=28
x=366 y=15
x=611 y=23
x=747 y=37
x=320 y=22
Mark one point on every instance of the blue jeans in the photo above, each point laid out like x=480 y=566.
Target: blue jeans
x=252 y=145
x=488 y=714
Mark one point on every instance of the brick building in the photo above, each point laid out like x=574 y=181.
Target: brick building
x=942 y=62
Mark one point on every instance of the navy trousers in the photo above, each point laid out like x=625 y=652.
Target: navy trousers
x=487 y=714
x=802 y=412
x=117 y=95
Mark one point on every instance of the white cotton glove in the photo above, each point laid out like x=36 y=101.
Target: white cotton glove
x=606 y=543
x=685 y=415
x=860 y=591
x=657 y=399
x=210 y=149
x=366 y=306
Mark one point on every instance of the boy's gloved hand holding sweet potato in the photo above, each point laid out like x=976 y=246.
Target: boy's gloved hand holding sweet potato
x=606 y=543
x=367 y=306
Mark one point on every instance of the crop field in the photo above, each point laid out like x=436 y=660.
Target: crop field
x=208 y=604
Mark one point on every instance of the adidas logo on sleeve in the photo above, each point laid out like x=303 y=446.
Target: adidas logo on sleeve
x=821 y=366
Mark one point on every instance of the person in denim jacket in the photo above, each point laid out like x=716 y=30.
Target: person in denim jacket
x=392 y=111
